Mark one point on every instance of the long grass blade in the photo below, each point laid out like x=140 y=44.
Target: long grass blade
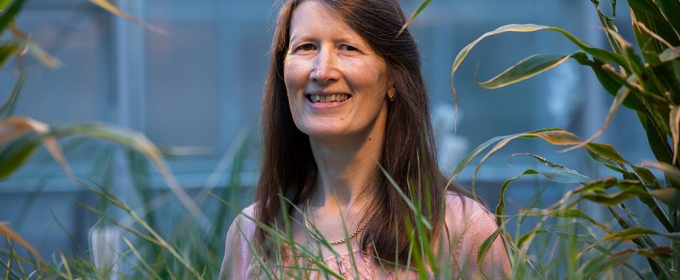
x=108 y=6
x=25 y=43
x=414 y=15
x=9 y=233
x=7 y=108
x=674 y=124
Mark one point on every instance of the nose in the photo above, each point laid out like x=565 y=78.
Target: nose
x=325 y=67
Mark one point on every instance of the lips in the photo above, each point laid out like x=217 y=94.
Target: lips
x=327 y=98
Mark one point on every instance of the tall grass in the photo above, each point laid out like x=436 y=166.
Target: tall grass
x=561 y=240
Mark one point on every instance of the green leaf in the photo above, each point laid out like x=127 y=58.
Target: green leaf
x=657 y=140
x=632 y=233
x=554 y=136
x=645 y=175
x=599 y=265
x=3 y=4
x=9 y=14
x=6 y=51
x=558 y=173
x=670 y=9
x=551 y=135
x=601 y=54
x=605 y=151
x=13 y=97
x=672 y=172
x=636 y=65
x=15 y=154
x=669 y=196
x=486 y=245
x=670 y=54
x=609 y=79
x=525 y=69
x=414 y=15
x=648 y=13
x=500 y=208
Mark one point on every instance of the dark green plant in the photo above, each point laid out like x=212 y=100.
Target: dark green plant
x=644 y=78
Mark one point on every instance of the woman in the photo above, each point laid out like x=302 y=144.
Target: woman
x=344 y=98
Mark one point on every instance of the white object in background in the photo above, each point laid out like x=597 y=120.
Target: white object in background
x=451 y=148
x=105 y=244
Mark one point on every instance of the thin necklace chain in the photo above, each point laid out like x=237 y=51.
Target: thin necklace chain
x=336 y=242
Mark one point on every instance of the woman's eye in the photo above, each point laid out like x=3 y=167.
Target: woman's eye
x=348 y=48
x=307 y=47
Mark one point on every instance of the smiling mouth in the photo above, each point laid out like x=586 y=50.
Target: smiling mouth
x=315 y=98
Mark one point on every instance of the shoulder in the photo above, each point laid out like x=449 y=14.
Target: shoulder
x=243 y=225
x=462 y=210
x=237 y=252
x=468 y=224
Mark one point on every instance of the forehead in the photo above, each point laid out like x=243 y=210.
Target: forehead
x=312 y=17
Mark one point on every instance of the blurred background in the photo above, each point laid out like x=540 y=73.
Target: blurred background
x=200 y=85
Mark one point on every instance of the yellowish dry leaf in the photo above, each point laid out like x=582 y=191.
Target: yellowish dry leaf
x=6 y=231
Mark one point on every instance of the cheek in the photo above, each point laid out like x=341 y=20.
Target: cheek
x=293 y=76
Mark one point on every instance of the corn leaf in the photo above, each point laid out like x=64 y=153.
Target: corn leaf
x=7 y=17
x=670 y=9
x=599 y=265
x=657 y=140
x=525 y=69
x=609 y=79
x=671 y=172
x=605 y=151
x=601 y=54
x=648 y=13
x=645 y=77
x=558 y=173
x=633 y=233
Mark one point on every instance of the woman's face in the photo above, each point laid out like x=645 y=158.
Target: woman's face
x=337 y=85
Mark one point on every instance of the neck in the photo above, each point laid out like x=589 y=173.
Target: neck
x=346 y=170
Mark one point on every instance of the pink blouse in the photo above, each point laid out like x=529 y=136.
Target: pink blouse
x=467 y=222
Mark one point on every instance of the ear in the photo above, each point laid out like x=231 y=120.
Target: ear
x=392 y=91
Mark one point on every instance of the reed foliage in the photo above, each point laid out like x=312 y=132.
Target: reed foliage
x=643 y=76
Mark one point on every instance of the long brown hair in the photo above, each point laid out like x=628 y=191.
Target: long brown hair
x=408 y=157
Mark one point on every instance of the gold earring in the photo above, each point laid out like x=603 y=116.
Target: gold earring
x=391 y=96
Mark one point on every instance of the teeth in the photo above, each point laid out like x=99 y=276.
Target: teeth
x=329 y=98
